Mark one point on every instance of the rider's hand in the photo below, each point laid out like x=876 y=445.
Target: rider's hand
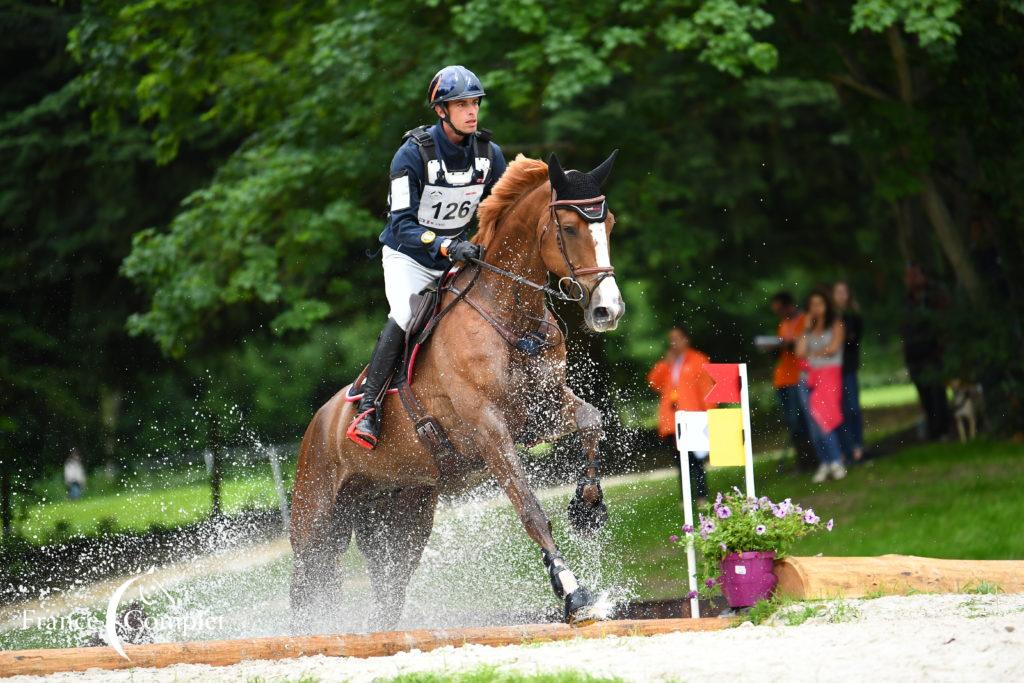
x=461 y=250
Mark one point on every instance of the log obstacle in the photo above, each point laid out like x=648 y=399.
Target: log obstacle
x=815 y=578
x=226 y=652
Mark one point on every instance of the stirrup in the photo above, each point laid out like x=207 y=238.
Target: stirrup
x=360 y=438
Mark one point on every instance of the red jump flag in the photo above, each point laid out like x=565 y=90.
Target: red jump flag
x=727 y=382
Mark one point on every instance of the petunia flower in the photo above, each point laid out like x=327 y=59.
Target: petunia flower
x=829 y=525
x=691 y=595
x=710 y=583
x=779 y=511
x=723 y=547
x=687 y=528
x=760 y=529
x=810 y=517
x=724 y=512
x=673 y=539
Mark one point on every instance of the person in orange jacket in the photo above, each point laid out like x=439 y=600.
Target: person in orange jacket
x=680 y=380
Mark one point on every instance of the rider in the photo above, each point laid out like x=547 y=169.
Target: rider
x=438 y=177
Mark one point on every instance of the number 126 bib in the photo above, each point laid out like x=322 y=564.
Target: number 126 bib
x=448 y=210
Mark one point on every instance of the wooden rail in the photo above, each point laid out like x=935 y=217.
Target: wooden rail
x=226 y=652
x=812 y=578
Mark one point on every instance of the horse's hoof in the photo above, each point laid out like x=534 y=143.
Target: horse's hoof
x=580 y=608
x=586 y=518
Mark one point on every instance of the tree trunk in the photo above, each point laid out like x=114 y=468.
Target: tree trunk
x=935 y=206
x=950 y=239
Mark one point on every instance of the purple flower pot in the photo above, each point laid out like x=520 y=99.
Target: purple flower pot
x=747 y=577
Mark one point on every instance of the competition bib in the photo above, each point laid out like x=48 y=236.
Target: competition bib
x=448 y=210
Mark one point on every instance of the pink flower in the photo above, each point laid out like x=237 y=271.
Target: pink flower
x=779 y=511
x=710 y=583
x=691 y=595
x=673 y=539
x=687 y=528
x=829 y=525
x=724 y=512
x=810 y=517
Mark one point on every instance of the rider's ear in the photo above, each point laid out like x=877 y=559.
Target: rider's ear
x=601 y=173
x=555 y=174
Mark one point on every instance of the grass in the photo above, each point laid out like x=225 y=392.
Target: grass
x=169 y=499
x=888 y=396
x=938 y=500
x=490 y=674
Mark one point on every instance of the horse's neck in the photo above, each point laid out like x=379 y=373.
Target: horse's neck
x=515 y=247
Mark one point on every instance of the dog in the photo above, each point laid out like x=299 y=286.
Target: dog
x=967 y=407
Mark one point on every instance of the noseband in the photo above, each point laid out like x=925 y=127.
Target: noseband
x=592 y=211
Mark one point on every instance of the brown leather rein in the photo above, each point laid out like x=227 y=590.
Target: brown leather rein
x=573 y=283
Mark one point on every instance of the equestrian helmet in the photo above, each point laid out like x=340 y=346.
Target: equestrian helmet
x=454 y=83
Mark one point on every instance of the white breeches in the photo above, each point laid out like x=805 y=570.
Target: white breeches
x=403 y=277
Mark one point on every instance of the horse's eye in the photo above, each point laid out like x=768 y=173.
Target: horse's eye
x=570 y=230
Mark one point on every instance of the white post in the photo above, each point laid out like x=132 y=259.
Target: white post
x=748 y=445
x=691 y=557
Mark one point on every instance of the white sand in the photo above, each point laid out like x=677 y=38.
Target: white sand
x=922 y=637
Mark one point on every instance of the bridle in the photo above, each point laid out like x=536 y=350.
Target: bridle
x=569 y=287
x=593 y=210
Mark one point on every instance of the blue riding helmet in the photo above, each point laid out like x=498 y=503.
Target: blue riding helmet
x=454 y=83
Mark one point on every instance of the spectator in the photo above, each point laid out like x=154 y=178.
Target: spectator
x=786 y=379
x=680 y=379
x=922 y=348
x=821 y=345
x=851 y=432
x=74 y=475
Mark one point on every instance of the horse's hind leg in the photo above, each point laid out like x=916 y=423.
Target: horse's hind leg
x=391 y=530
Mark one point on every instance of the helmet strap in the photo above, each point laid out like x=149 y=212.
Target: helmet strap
x=446 y=119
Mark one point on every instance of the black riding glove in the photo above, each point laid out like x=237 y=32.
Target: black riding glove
x=462 y=250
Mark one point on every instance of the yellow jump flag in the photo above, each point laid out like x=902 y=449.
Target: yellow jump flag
x=725 y=429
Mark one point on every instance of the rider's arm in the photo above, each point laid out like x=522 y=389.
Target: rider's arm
x=406 y=181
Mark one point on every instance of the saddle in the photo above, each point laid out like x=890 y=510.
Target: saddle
x=427 y=313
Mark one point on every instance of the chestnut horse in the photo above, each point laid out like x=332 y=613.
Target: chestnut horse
x=485 y=392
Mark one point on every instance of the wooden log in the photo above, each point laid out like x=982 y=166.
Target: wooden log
x=226 y=652
x=814 y=578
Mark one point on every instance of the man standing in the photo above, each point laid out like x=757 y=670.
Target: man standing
x=680 y=380
x=922 y=348
x=438 y=177
x=786 y=379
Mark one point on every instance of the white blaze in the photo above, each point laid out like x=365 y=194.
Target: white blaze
x=607 y=293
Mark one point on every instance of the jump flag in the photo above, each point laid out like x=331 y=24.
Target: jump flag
x=725 y=427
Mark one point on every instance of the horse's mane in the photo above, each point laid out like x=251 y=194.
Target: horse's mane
x=521 y=176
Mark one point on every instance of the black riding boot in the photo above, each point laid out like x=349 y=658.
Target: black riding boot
x=365 y=427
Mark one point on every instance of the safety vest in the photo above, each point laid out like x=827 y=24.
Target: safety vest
x=448 y=199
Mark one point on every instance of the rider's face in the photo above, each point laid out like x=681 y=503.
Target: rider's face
x=463 y=114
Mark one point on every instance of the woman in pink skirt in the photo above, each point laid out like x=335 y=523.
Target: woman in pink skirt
x=821 y=348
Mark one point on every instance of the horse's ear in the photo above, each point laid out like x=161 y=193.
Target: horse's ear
x=601 y=173
x=556 y=174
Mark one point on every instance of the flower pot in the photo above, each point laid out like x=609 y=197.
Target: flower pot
x=747 y=577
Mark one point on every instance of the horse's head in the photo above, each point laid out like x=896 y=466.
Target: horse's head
x=575 y=242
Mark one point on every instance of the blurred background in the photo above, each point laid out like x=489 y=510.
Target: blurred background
x=189 y=191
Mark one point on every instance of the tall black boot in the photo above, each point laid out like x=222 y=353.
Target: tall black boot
x=365 y=427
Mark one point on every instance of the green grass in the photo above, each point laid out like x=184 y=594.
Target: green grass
x=937 y=500
x=490 y=674
x=169 y=499
x=888 y=396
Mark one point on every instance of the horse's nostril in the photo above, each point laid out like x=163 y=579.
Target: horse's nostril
x=601 y=313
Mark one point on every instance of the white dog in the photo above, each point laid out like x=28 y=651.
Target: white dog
x=967 y=406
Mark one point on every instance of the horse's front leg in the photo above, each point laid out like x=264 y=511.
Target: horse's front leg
x=500 y=455
x=587 y=511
